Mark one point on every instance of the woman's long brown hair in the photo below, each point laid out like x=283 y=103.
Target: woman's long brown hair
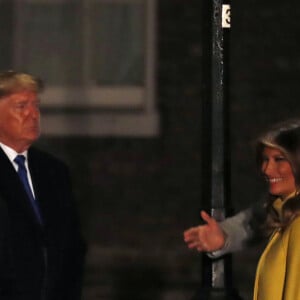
x=286 y=138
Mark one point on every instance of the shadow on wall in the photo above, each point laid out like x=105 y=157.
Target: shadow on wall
x=138 y=282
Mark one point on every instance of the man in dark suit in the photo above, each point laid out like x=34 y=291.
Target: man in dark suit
x=41 y=250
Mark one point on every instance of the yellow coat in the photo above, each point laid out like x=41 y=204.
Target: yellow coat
x=278 y=270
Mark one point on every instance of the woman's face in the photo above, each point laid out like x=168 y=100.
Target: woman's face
x=278 y=172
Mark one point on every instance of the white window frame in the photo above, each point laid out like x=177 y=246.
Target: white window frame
x=117 y=111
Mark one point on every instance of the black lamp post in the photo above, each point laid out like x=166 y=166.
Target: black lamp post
x=217 y=283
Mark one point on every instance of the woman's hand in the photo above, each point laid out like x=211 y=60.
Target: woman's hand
x=208 y=237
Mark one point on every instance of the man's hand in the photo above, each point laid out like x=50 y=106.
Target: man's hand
x=208 y=237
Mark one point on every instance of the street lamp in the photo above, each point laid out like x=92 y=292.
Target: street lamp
x=216 y=273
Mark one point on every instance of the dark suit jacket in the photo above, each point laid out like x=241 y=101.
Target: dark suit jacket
x=39 y=263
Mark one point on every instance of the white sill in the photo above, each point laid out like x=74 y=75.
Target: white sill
x=133 y=124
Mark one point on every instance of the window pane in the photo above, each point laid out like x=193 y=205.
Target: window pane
x=117 y=47
x=70 y=44
x=52 y=38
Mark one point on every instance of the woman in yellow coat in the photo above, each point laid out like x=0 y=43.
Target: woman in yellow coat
x=278 y=270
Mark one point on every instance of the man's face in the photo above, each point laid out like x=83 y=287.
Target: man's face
x=19 y=120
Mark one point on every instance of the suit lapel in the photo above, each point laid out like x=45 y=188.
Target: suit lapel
x=39 y=178
x=42 y=180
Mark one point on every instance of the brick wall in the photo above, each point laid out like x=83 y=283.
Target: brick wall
x=136 y=196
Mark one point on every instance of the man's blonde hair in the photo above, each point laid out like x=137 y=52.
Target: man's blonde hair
x=12 y=82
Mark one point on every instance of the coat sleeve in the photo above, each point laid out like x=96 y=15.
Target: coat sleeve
x=7 y=275
x=242 y=229
x=75 y=247
x=291 y=289
x=237 y=230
